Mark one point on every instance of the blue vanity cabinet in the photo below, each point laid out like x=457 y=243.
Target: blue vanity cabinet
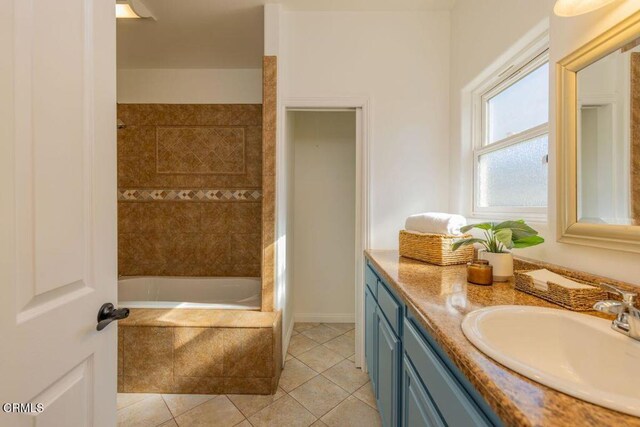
x=388 y=367
x=418 y=410
x=414 y=381
x=370 y=332
x=383 y=349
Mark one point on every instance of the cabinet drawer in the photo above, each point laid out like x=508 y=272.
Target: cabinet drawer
x=418 y=409
x=371 y=280
x=390 y=307
x=454 y=403
x=388 y=375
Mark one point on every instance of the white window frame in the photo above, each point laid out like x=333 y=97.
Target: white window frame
x=514 y=70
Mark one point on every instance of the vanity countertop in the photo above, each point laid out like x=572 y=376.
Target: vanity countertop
x=439 y=298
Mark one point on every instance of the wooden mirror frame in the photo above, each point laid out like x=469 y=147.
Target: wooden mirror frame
x=569 y=230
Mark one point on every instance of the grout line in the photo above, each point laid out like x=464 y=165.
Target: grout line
x=240 y=410
x=168 y=409
x=131 y=404
x=213 y=396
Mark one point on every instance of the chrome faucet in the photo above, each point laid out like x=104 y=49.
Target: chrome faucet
x=627 y=319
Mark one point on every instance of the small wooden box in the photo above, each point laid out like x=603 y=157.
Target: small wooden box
x=434 y=248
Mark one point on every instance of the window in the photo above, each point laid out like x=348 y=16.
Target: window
x=511 y=141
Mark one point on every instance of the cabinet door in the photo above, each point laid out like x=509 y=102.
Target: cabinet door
x=388 y=361
x=370 y=328
x=417 y=408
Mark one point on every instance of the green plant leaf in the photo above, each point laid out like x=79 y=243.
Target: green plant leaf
x=482 y=226
x=504 y=236
x=464 y=242
x=518 y=225
x=521 y=234
x=526 y=242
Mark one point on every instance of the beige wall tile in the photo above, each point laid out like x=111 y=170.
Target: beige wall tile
x=198 y=352
x=269 y=120
x=148 y=351
x=635 y=137
x=248 y=352
x=175 y=238
x=196 y=385
x=246 y=218
x=200 y=150
x=120 y=351
x=245 y=249
x=161 y=383
x=216 y=217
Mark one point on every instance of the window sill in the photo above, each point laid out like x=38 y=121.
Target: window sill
x=536 y=218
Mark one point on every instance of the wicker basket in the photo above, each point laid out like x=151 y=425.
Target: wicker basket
x=434 y=248
x=573 y=299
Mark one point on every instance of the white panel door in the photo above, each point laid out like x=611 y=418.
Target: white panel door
x=57 y=212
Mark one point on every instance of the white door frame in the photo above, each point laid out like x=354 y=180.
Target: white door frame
x=361 y=105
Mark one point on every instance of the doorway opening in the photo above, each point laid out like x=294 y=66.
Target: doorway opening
x=322 y=216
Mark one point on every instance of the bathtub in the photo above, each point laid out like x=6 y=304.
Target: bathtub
x=229 y=293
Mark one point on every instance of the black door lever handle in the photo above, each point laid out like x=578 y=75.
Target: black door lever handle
x=108 y=313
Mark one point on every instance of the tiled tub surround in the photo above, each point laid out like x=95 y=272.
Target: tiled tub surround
x=190 y=190
x=199 y=352
x=635 y=137
x=440 y=297
x=319 y=387
x=269 y=120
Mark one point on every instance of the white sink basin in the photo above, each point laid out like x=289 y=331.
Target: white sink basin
x=577 y=354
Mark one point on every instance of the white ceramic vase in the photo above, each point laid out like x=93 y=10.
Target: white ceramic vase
x=502 y=264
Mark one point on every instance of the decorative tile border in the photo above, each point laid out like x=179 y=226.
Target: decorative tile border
x=188 y=194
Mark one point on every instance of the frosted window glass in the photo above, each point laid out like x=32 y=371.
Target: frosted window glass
x=521 y=106
x=514 y=176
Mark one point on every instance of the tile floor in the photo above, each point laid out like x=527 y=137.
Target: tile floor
x=319 y=386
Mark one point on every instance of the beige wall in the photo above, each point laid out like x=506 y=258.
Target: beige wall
x=400 y=62
x=324 y=214
x=481 y=33
x=189 y=190
x=189 y=86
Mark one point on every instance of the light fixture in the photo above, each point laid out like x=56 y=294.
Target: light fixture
x=577 y=7
x=135 y=9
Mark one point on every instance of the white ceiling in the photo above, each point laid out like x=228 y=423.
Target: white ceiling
x=221 y=33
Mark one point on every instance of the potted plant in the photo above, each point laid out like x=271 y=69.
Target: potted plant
x=498 y=240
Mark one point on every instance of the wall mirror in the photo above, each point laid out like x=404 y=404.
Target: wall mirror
x=599 y=140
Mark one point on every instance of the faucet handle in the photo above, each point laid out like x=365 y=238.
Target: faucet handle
x=627 y=297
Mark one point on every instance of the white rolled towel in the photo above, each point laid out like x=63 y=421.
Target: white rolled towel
x=435 y=223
